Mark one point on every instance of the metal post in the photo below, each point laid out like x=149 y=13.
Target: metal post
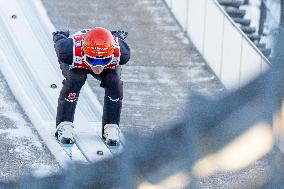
x=262 y=18
x=282 y=13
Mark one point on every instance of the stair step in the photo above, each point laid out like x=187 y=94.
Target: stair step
x=232 y=3
x=234 y=12
x=242 y=21
x=254 y=37
x=265 y=51
x=260 y=45
x=248 y=29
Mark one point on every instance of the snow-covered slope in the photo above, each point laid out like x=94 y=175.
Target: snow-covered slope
x=21 y=148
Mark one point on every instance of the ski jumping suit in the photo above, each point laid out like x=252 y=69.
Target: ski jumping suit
x=74 y=69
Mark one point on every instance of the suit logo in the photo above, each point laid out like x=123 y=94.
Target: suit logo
x=72 y=97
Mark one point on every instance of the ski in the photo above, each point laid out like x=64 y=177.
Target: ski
x=67 y=148
x=89 y=146
x=71 y=150
x=114 y=149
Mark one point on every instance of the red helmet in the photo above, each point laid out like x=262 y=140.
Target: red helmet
x=98 y=47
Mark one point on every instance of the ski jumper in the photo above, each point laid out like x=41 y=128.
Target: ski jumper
x=75 y=71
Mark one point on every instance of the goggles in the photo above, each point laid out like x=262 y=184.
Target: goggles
x=98 y=61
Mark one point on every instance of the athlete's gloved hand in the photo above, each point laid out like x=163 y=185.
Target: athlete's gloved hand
x=120 y=34
x=57 y=35
x=65 y=33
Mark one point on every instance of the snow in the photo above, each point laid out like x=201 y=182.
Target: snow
x=19 y=142
x=166 y=22
x=9 y=109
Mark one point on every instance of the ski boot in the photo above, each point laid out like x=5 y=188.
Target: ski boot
x=111 y=135
x=64 y=133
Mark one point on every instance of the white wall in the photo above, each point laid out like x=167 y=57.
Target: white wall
x=227 y=50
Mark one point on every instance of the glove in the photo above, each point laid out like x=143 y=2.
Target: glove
x=65 y=33
x=120 y=34
x=60 y=35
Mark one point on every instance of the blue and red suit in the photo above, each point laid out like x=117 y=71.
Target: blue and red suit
x=75 y=71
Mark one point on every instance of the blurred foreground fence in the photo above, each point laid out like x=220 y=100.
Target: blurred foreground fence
x=213 y=136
